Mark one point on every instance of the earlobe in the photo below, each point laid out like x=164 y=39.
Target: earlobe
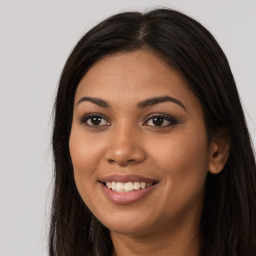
x=219 y=152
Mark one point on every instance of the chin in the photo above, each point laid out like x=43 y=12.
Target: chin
x=128 y=224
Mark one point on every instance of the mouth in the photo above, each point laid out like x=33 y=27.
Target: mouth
x=121 y=187
x=126 y=189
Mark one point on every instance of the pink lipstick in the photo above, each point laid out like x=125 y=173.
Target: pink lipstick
x=126 y=189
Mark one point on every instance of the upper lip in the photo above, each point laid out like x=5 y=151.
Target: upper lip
x=126 y=178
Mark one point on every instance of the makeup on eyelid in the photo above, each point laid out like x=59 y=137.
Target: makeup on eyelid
x=158 y=119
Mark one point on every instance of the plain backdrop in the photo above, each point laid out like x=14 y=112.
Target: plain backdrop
x=36 y=38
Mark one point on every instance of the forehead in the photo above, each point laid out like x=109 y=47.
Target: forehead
x=132 y=77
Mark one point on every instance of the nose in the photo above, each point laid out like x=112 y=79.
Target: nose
x=125 y=148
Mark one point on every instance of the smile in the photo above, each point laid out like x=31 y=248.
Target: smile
x=127 y=189
x=121 y=187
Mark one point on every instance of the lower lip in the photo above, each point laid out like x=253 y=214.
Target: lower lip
x=125 y=197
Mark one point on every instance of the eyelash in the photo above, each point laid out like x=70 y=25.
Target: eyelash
x=171 y=120
x=164 y=117
x=85 y=118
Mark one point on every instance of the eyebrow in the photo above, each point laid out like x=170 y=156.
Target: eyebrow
x=156 y=100
x=142 y=104
x=99 y=102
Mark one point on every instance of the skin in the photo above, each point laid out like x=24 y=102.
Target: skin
x=126 y=141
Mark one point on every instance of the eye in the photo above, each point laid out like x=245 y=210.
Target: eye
x=94 y=120
x=160 y=120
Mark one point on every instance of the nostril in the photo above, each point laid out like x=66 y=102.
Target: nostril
x=131 y=160
x=111 y=161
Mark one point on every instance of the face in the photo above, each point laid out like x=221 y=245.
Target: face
x=138 y=144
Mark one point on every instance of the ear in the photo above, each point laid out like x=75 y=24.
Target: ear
x=219 y=151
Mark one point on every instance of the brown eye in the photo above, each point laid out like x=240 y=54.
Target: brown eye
x=157 y=121
x=95 y=120
x=160 y=121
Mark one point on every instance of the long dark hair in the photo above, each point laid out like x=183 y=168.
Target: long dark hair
x=228 y=223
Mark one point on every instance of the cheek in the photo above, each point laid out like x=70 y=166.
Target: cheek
x=183 y=161
x=186 y=147
x=84 y=155
x=85 y=150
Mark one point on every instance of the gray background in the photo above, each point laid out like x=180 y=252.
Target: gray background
x=36 y=37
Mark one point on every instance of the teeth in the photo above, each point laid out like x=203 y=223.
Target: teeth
x=109 y=184
x=120 y=187
x=127 y=187
x=113 y=185
x=148 y=185
x=136 y=185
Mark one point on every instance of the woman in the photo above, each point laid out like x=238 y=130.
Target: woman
x=151 y=148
